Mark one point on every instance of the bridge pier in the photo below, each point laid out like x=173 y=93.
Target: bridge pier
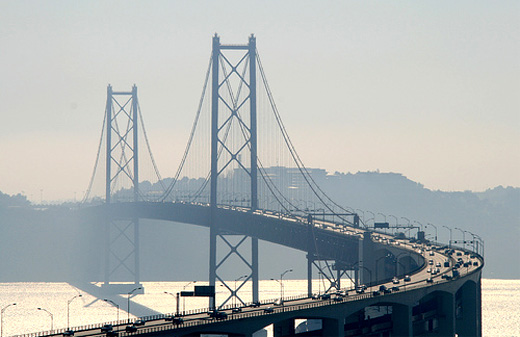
x=446 y=315
x=402 y=320
x=466 y=310
x=284 y=328
x=333 y=327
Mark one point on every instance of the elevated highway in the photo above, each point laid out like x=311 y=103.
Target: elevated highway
x=437 y=295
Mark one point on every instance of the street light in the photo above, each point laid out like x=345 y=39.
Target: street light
x=420 y=224
x=235 y=290
x=184 y=299
x=373 y=216
x=396 y=221
x=384 y=215
x=281 y=283
x=177 y=298
x=117 y=306
x=382 y=257
x=473 y=235
x=409 y=225
x=435 y=230
x=68 y=309
x=2 y=318
x=128 y=303
x=463 y=238
x=448 y=228
x=52 y=317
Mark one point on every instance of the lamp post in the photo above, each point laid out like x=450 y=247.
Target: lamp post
x=369 y=271
x=177 y=298
x=463 y=237
x=128 y=302
x=51 y=315
x=68 y=309
x=396 y=221
x=377 y=261
x=235 y=290
x=373 y=216
x=430 y=224
x=184 y=299
x=2 y=318
x=448 y=228
x=281 y=280
x=473 y=236
x=117 y=306
x=481 y=245
x=281 y=283
x=408 y=221
x=420 y=224
x=384 y=217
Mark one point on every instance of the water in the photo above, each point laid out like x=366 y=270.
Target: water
x=500 y=301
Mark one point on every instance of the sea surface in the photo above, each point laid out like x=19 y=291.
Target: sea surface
x=500 y=302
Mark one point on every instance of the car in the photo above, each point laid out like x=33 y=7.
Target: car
x=475 y=263
x=325 y=296
x=68 y=333
x=341 y=293
x=217 y=314
x=459 y=254
x=430 y=262
x=177 y=320
x=395 y=280
x=236 y=310
x=382 y=287
x=407 y=278
x=268 y=310
x=376 y=293
x=106 y=328
x=395 y=288
x=429 y=270
x=429 y=280
x=139 y=322
x=131 y=328
x=438 y=264
x=338 y=298
x=112 y=334
x=432 y=254
x=466 y=253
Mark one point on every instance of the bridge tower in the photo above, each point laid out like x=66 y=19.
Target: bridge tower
x=227 y=106
x=122 y=169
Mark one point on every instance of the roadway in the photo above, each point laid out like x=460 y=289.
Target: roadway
x=434 y=271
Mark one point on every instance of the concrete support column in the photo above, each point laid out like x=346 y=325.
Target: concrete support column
x=283 y=328
x=402 y=321
x=333 y=327
x=467 y=317
x=446 y=315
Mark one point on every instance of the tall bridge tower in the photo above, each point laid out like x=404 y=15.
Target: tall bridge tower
x=122 y=169
x=231 y=75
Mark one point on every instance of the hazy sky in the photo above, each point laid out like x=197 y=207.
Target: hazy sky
x=429 y=89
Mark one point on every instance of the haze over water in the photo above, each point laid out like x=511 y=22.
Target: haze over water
x=500 y=303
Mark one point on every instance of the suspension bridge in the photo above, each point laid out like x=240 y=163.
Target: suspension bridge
x=241 y=177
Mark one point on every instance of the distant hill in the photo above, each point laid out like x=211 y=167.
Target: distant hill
x=32 y=249
x=493 y=214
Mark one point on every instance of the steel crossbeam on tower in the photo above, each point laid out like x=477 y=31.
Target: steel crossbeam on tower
x=231 y=108
x=122 y=169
